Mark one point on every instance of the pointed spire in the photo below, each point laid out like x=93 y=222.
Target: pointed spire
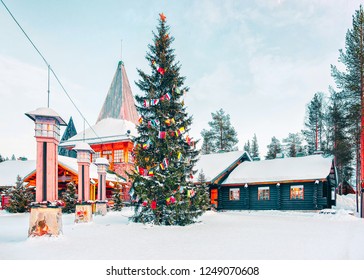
x=119 y=102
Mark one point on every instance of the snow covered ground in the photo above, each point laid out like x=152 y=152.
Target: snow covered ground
x=257 y=235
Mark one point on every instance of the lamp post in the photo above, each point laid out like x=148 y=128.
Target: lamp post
x=102 y=166
x=45 y=216
x=47 y=123
x=84 y=152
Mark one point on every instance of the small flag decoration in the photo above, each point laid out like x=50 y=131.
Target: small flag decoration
x=162 y=135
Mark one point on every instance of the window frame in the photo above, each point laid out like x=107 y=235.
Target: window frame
x=234 y=194
x=297 y=196
x=262 y=190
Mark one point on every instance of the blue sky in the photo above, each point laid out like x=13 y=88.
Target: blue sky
x=261 y=61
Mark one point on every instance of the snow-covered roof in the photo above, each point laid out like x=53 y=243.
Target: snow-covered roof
x=46 y=112
x=83 y=146
x=10 y=169
x=71 y=163
x=107 y=130
x=314 y=167
x=102 y=161
x=213 y=165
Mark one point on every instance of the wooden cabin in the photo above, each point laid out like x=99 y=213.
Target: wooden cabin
x=303 y=183
x=216 y=168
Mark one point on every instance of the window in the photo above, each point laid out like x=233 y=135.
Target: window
x=234 y=194
x=296 y=192
x=95 y=156
x=118 y=155
x=263 y=193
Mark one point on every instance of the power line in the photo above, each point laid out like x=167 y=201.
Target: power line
x=49 y=69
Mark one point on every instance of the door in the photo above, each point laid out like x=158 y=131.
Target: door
x=213 y=197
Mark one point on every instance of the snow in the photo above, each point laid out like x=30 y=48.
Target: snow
x=257 y=235
x=213 y=165
x=313 y=167
x=46 y=112
x=107 y=130
x=83 y=146
x=10 y=169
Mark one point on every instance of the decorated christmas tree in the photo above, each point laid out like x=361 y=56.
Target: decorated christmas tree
x=20 y=197
x=69 y=197
x=116 y=198
x=164 y=153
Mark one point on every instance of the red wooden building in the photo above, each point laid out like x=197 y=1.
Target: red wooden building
x=111 y=136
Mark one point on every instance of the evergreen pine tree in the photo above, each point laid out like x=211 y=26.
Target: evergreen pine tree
x=68 y=133
x=223 y=134
x=293 y=144
x=1 y=158
x=164 y=153
x=255 y=147
x=350 y=82
x=13 y=157
x=70 y=197
x=207 y=143
x=274 y=148
x=19 y=197
x=314 y=124
x=117 y=199
x=340 y=143
x=247 y=147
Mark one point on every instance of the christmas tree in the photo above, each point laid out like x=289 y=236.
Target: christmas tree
x=164 y=153
x=19 y=197
x=70 y=198
x=116 y=197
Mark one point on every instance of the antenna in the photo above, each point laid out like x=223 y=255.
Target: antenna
x=49 y=73
x=84 y=130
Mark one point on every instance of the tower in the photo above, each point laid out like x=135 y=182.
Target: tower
x=47 y=132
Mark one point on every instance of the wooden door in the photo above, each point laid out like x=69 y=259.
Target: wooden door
x=213 y=197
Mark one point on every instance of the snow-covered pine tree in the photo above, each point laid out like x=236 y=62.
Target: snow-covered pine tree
x=314 y=124
x=207 y=142
x=222 y=133
x=69 y=197
x=19 y=197
x=247 y=147
x=293 y=144
x=164 y=154
x=255 y=147
x=116 y=198
x=1 y=158
x=274 y=148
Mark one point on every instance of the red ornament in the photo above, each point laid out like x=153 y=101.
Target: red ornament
x=161 y=70
x=153 y=205
x=145 y=203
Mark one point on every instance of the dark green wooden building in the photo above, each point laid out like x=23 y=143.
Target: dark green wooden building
x=303 y=183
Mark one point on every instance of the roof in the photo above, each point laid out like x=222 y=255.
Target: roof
x=314 y=167
x=107 y=131
x=10 y=169
x=119 y=102
x=214 y=165
x=83 y=146
x=45 y=112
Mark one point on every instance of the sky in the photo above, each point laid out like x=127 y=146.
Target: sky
x=260 y=61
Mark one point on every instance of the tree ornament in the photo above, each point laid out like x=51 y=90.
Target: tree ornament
x=162 y=17
x=161 y=71
x=153 y=205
